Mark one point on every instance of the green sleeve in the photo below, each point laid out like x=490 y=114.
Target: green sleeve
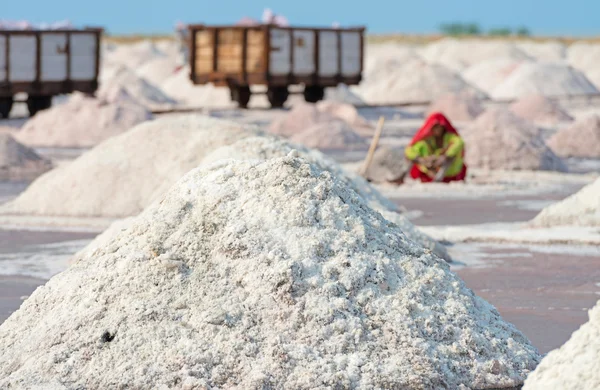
x=412 y=151
x=456 y=145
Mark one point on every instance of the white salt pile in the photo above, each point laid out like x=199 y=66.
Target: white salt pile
x=488 y=74
x=457 y=107
x=585 y=57
x=124 y=174
x=540 y=109
x=331 y=135
x=342 y=94
x=582 y=139
x=498 y=139
x=181 y=88
x=348 y=113
x=300 y=117
x=412 y=81
x=133 y=55
x=575 y=365
x=261 y=275
x=158 y=70
x=82 y=122
x=138 y=88
x=18 y=162
x=548 y=79
x=550 y=51
x=579 y=209
x=267 y=147
x=388 y=165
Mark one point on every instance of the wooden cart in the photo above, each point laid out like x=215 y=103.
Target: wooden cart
x=276 y=57
x=46 y=63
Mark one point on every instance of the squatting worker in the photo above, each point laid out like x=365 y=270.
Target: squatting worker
x=437 y=152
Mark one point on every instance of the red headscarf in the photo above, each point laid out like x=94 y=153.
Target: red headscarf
x=436 y=118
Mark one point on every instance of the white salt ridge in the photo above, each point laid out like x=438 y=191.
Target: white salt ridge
x=266 y=147
x=83 y=121
x=498 y=139
x=331 y=135
x=488 y=74
x=412 y=81
x=138 y=88
x=582 y=139
x=261 y=275
x=548 y=79
x=342 y=94
x=579 y=209
x=576 y=364
x=299 y=118
x=124 y=174
x=181 y=88
x=133 y=55
x=18 y=162
x=156 y=71
x=540 y=109
x=457 y=107
x=551 y=51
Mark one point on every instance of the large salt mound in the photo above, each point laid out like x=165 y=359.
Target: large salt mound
x=348 y=113
x=157 y=70
x=457 y=107
x=267 y=147
x=181 y=88
x=138 y=88
x=579 y=209
x=548 y=79
x=575 y=365
x=82 y=122
x=332 y=135
x=299 y=118
x=133 y=55
x=18 y=162
x=342 y=94
x=540 y=109
x=498 y=139
x=261 y=275
x=412 y=81
x=551 y=51
x=582 y=139
x=122 y=175
x=487 y=75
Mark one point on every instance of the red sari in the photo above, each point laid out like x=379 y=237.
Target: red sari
x=435 y=118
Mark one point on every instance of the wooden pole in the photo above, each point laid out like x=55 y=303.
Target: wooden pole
x=373 y=146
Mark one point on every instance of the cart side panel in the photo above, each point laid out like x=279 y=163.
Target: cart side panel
x=280 y=52
x=23 y=58
x=328 y=53
x=304 y=52
x=203 y=61
x=351 y=47
x=3 y=59
x=53 y=56
x=84 y=50
x=255 y=51
x=229 y=51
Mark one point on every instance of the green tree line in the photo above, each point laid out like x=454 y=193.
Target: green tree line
x=459 y=29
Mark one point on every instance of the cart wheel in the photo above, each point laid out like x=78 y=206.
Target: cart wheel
x=277 y=96
x=313 y=93
x=36 y=104
x=6 y=104
x=240 y=95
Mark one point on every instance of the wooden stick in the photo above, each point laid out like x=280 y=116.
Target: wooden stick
x=373 y=146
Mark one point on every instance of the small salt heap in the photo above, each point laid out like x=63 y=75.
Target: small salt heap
x=488 y=74
x=540 y=109
x=331 y=135
x=498 y=139
x=457 y=107
x=582 y=139
x=387 y=165
x=18 y=162
x=253 y=274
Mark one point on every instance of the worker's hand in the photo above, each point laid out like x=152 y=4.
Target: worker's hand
x=440 y=160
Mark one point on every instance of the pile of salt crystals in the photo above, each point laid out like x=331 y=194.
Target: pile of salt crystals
x=18 y=162
x=579 y=209
x=134 y=55
x=138 y=88
x=498 y=139
x=331 y=135
x=548 y=79
x=124 y=174
x=388 y=165
x=457 y=107
x=582 y=139
x=83 y=121
x=266 y=147
x=181 y=88
x=575 y=365
x=158 y=70
x=261 y=274
x=487 y=75
x=540 y=109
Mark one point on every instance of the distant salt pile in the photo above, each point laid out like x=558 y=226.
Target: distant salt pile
x=181 y=88
x=575 y=365
x=342 y=94
x=551 y=51
x=498 y=139
x=459 y=54
x=412 y=81
x=457 y=107
x=579 y=209
x=548 y=79
x=255 y=274
x=540 y=109
x=267 y=147
x=348 y=113
x=158 y=70
x=582 y=139
x=18 y=162
x=387 y=165
x=82 y=122
x=138 y=88
x=300 y=117
x=585 y=57
x=332 y=135
x=134 y=55
x=488 y=74
x=124 y=174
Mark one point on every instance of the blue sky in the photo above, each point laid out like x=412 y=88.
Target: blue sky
x=543 y=17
